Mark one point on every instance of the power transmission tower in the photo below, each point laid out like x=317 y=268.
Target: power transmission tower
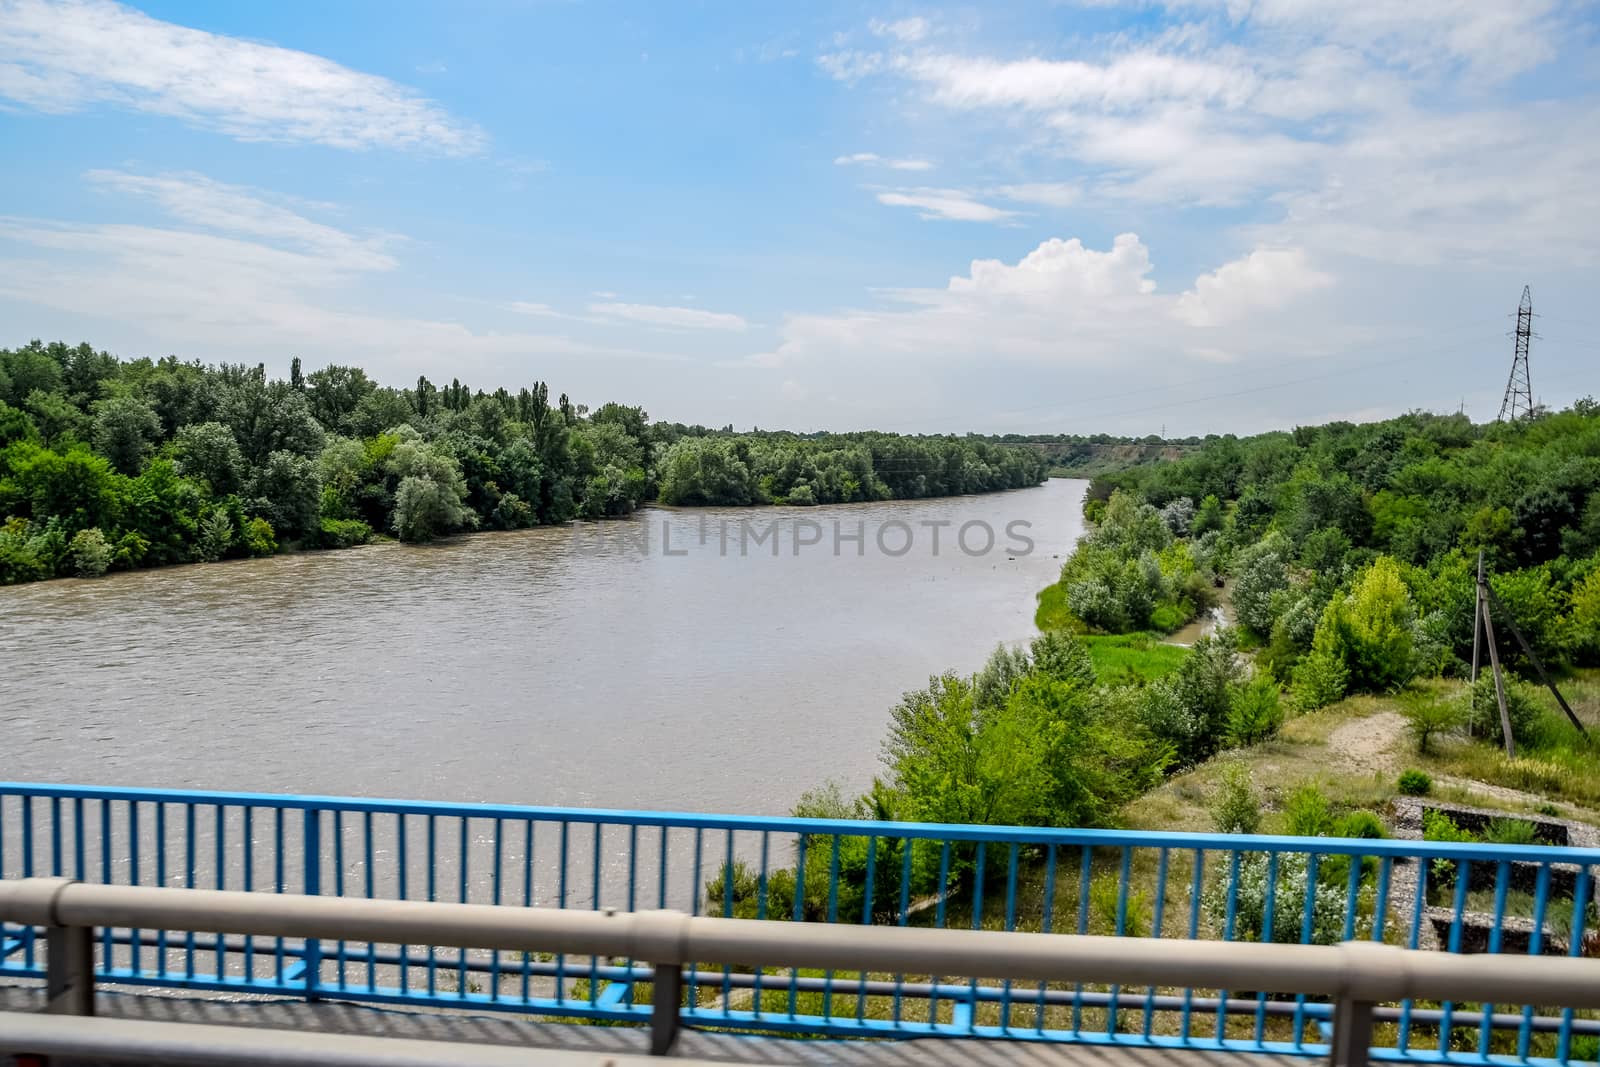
x=1519 y=391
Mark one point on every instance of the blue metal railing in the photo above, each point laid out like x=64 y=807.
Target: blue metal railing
x=1455 y=897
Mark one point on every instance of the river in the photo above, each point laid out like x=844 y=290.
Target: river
x=667 y=661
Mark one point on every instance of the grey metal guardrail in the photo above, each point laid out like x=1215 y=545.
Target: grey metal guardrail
x=1357 y=976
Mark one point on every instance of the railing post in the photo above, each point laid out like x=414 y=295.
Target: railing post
x=1352 y=1033
x=311 y=863
x=69 y=970
x=666 y=986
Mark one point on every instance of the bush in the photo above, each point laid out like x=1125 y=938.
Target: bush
x=1370 y=630
x=1288 y=903
x=343 y=533
x=1307 y=812
x=1360 y=824
x=1105 y=902
x=216 y=536
x=1484 y=711
x=1415 y=783
x=1237 y=807
x=1319 y=680
x=1254 y=711
x=91 y=554
x=1427 y=717
x=258 y=537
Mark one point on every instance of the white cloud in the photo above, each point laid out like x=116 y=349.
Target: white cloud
x=1051 y=194
x=62 y=57
x=908 y=30
x=1266 y=278
x=873 y=159
x=198 y=200
x=679 y=318
x=947 y=204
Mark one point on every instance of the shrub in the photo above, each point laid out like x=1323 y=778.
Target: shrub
x=1415 y=783
x=1319 y=680
x=1360 y=824
x=1427 y=717
x=1484 y=710
x=1260 y=574
x=1437 y=826
x=1508 y=831
x=1237 y=807
x=216 y=536
x=258 y=537
x=1307 y=812
x=343 y=533
x=1369 y=630
x=1254 y=711
x=1288 y=906
x=91 y=554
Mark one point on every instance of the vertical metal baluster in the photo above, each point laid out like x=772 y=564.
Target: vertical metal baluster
x=370 y=886
x=594 y=961
x=1501 y=877
x=77 y=838
x=761 y=913
x=1227 y=935
x=1267 y=919
x=401 y=891
x=494 y=962
x=338 y=882
x=527 y=893
x=1352 y=894
x=696 y=890
x=431 y=828
x=661 y=876
x=1156 y=922
x=902 y=918
x=833 y=917
x=1195 y=888
x=1307 y=926
x=1447 y=1009
x=135 y=935
x=1011 y=924
x=1085 y=876
x=727 y=913
x=799 y=912
x=938 y=921
x=190 y=863
x=107 y=944
x=55 y=836
x=461 y=896
x=1124 y=876
x=1046 y=923
x=866 y=920
x=277 y=878
x=1541 y=903
x=222 y=882
x=1580 y=912
x=1403 y=1040
x=161 y=880
x=561 y=957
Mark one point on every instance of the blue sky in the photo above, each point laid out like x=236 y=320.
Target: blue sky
x=1202 y=216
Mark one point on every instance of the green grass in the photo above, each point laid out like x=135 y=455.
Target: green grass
x=1052 y=613
x=1124 y=659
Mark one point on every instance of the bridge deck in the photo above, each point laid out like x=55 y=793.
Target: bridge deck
x=441 y=1025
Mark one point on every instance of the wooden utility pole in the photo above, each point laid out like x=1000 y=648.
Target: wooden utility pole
x=1483 y=626
x=1482 y=618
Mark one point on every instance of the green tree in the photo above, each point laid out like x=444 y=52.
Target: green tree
x=125 y=431
x=208 y=453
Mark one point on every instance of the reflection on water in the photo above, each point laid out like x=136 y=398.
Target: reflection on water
x=549 y=666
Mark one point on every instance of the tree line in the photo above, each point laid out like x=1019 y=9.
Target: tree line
x=112 y=464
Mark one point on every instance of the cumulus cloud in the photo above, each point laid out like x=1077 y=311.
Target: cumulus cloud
x=62 y=57
x=676 y=318
x=1266 y=278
